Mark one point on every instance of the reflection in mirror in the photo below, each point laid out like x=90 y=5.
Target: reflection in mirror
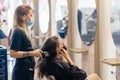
x=3 y=19
x=115 y=22
x=44 y=15
x=87 y=20
x=62 y=17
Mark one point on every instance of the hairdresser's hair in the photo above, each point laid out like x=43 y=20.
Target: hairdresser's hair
x=20 y=11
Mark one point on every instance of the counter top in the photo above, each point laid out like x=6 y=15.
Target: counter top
x=112 y=61
x=78 y=50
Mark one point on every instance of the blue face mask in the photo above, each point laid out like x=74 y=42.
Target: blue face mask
x=29 y=23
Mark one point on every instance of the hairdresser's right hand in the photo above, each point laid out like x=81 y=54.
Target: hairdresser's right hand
x=37 y=53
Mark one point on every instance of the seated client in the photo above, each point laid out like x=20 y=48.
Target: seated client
x=58 y=62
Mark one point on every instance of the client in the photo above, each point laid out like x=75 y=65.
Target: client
x=58 y=63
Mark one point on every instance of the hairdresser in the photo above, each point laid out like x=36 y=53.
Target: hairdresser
x=22 y=46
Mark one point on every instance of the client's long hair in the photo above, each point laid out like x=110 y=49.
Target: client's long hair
x=50 y=46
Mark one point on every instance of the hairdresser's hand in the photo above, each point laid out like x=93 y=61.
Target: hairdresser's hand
x=37 y=53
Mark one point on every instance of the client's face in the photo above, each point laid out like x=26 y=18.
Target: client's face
x=60 y=47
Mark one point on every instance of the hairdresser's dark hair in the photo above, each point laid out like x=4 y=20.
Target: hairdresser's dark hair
x=50 y=46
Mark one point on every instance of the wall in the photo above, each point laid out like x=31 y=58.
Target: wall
x=106 y=45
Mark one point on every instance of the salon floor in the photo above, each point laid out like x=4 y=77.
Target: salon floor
x=10 y=63
x=9 y=74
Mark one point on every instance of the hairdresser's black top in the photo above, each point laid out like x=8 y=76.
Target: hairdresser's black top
x=20 y=42
x=64 y=71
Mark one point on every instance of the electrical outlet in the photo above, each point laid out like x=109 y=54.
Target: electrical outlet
x=113 y=75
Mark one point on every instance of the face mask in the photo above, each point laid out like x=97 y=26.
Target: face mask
x=29 y=23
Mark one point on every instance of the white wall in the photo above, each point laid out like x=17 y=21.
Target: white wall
x=106 y=45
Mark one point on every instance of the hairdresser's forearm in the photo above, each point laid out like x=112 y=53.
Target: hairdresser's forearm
x=21 y=54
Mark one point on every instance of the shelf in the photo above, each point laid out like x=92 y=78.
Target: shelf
x=112 y=61
x=78 y=50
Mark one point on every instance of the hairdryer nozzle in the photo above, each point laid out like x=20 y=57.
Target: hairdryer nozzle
x=45 y=54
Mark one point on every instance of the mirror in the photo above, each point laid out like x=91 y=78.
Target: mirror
x=115 y=22
x=3 y=19
x=43 y=16
x=62 y=17
x=86 y=16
